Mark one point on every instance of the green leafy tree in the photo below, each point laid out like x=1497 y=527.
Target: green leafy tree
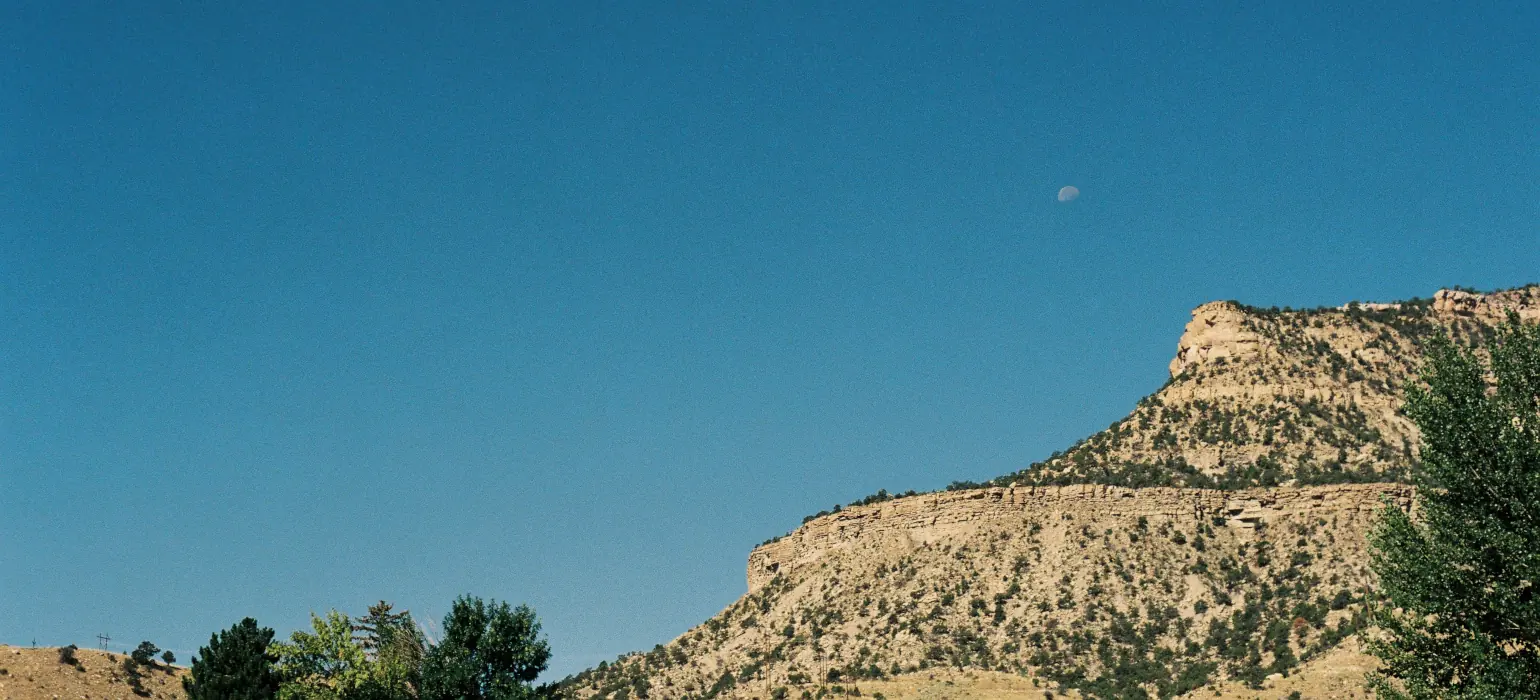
x=1463 y=619
x=327 y=664
x=168 y=657
x=490 y=651
x=234 y=666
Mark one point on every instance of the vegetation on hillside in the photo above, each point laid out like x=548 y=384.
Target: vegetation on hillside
x=1116 y=607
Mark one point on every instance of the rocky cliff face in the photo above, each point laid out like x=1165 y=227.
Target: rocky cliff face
x=1215 y=538
x=1218 y=333
x=1261 y=397
x=1524 y=301
x=1226 y=332
x=927 y=519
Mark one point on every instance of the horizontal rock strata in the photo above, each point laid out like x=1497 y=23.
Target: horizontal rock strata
x=938 y=516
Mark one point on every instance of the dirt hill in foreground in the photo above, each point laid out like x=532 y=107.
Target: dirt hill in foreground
x=38 y=674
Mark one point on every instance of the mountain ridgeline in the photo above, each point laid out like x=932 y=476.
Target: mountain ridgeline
x=1212 y=543
x=1263 y=397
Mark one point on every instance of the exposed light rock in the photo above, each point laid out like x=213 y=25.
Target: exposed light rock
x=938 y=517
x=1495 y=307
x=1265 y=396
x=1217 y=332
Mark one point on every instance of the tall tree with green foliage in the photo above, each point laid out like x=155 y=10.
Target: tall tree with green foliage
x=234 y=666
x=330 y=664
x=381 y=622
x=394 y=644
x=1462 y=618
x=490 y=651
x=326 y=664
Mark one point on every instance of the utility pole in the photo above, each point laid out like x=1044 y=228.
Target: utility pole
x=104 y=638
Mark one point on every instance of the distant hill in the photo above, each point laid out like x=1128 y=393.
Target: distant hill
x=38 y=674
x=1212 y=543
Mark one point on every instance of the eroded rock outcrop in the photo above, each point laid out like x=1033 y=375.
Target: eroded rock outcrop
x=1267 y=396
x=1494 y=307
x=930 y=518
x=1217 y=332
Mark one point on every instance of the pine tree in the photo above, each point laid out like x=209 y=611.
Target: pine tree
x=235 y=665
x=1462 y=619
x=376 y=628
x=395 y=644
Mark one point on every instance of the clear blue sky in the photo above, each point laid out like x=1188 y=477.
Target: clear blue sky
x=306 y=307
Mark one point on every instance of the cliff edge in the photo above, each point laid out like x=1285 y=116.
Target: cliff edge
x=1268 y=397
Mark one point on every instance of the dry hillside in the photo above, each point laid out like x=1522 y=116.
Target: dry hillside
x=1103 y=589
x=1237 y=568
x=39 y=674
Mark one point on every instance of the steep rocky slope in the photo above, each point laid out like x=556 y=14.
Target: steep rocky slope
x=1101 y=588
x=1237 y=567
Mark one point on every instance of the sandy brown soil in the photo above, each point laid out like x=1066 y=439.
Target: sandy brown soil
x=37 y=674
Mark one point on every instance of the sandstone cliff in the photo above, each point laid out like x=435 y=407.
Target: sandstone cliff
x=906 y=523
x=1212 y=542
x=1524 y=301
x=1260 y=397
